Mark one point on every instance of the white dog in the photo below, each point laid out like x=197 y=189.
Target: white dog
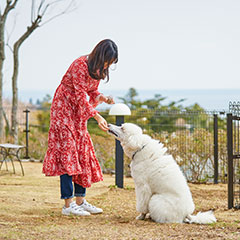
x=160 y=186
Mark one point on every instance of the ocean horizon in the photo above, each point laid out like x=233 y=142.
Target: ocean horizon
x=209 y=99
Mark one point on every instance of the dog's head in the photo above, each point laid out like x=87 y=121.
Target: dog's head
x=124 y=131
x=130 y=135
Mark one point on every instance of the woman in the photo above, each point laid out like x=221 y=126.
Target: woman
x=70 y=152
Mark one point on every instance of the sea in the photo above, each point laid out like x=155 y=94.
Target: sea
x=209 y=99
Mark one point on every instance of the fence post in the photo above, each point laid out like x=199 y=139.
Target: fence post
x=230 y=159
x=215 y=148
x=26 y=131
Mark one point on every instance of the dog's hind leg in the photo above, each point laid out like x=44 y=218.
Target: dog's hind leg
x=164 y=209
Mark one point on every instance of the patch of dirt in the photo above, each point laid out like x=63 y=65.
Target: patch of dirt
x=31 y=209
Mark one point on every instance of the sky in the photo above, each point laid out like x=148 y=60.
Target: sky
x=163 y=44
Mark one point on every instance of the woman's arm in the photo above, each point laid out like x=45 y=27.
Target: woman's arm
x=78 y=75
x=94 y=98
x=102 y=123
x=97 y=98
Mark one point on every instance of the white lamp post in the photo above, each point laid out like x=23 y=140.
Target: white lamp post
x=119 y=110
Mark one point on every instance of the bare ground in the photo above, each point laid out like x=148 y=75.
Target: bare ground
x=31 y=209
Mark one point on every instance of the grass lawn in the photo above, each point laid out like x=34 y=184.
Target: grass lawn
x=31 y=209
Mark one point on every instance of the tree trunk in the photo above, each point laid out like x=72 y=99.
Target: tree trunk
x=9 y=6
x=1 y=101
x=14 y=128
x=2 y=58
x=18 y=43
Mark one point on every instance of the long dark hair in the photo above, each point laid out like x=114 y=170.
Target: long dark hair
x=106 y=51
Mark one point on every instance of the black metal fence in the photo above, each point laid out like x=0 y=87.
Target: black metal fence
x=233 y=143
x=197 y=140
x=206 y=145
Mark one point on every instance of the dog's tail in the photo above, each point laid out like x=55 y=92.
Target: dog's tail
x=201 y=218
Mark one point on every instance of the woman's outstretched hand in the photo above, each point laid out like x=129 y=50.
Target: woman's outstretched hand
x=102 y=123
x=108 y=99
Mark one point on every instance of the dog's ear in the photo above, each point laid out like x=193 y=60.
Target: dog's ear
x=134 y=142
x=132 y=129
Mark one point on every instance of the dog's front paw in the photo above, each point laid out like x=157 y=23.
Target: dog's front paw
x=141 y=216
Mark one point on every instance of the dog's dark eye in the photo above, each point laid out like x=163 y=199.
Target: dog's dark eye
x=122 y=128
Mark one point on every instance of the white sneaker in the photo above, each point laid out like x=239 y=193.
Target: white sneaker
x=90 y=208
x=74 y=209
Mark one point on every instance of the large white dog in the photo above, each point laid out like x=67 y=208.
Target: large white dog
x=161 y=188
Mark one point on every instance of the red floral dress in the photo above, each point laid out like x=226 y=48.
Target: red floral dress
x=70 y=148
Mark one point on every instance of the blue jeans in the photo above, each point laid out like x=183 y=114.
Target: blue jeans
x=67 y=188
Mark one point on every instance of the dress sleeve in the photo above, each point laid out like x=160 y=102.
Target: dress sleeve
x=94 y=98
x=78 y=72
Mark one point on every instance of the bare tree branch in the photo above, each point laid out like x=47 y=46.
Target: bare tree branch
x=45 y=9
x=38 y=19
x=40 y=6
x=47 y=6
x=27 y=33
x=10 y=34
x=32 y=10
x=9 y=7
x=67 y=10
x=10 y=48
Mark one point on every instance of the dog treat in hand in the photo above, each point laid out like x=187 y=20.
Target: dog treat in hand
x=110 y=100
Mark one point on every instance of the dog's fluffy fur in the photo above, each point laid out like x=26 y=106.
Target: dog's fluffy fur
x=161 y=188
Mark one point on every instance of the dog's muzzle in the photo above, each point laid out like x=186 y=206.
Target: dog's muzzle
x=112 y=132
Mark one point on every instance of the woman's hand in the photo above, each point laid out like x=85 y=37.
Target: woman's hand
x=108 y=99
x=102 y=123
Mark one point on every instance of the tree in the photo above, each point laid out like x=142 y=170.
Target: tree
x=10 y=5
x=42 y=12
x=129 y=99
x=155 y=102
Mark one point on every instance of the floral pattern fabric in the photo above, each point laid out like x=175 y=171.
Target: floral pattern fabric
x=70 y=148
